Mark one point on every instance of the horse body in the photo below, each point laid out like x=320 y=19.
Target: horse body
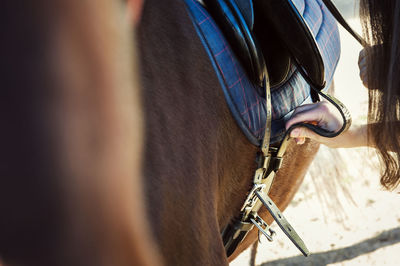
x=198 y=165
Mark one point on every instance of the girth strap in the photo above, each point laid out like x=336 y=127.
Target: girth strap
x=234 y=233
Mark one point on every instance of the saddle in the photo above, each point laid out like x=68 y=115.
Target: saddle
x=269 y=37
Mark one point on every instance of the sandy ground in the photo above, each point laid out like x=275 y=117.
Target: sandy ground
x=341 y=211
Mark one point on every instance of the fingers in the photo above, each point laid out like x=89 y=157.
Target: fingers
x=304 y=108
x=308 y=115
x=300 y=140
x=300 y=134
x=321 y=113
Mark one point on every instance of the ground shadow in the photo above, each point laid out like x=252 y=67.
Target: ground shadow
x=386 y=238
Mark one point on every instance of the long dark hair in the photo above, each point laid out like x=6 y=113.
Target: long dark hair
x=381 y=24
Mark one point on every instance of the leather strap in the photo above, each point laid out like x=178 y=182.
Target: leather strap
x=338 y=16
x=234 y=233
x=268 y=107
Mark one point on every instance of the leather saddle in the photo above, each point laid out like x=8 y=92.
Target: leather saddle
x=269 y=37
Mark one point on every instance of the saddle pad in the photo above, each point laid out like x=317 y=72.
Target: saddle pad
x=246 y=105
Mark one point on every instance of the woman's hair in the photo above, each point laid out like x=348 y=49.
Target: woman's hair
x=381 y=25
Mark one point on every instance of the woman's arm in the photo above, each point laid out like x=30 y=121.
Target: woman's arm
x=327 y=117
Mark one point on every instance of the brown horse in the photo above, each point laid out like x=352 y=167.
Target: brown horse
x=198 y=166
x=71 y=136
x=70 y=165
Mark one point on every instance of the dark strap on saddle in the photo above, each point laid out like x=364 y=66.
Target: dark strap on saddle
x=238 y=32
x=338 y=16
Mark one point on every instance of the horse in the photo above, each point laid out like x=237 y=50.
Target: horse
x=71 y=136
x=74 y=134
x=197 y=164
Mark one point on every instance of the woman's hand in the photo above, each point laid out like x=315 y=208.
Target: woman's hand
x=328 y=117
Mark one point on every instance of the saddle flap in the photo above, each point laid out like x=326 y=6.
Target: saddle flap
x=277 y=56
x=272 y=34
x=293 y=33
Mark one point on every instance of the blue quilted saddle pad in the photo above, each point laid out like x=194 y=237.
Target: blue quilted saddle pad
x=246 y=105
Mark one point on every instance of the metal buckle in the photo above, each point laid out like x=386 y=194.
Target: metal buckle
x=259 y=175
x=257 y=197
x=263 y=227
x=251 y=200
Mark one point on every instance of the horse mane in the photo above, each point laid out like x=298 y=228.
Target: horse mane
x=70 y=190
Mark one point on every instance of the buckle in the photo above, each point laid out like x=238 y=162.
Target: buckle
x=263 y=227
x=251 y=200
